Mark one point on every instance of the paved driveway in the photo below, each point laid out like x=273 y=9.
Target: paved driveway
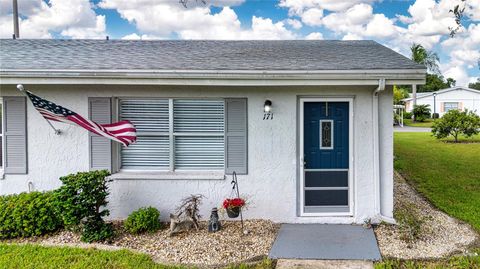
x=408 y=129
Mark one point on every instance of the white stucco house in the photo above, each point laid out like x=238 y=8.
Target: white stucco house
x=324 y=154
x=442 y=101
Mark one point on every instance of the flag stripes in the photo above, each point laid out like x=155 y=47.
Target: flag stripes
x=123 y=131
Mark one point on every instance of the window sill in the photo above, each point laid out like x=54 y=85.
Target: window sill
x=184 y=175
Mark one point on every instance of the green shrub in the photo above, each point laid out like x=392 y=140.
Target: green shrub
x=455 y=123
x=145 y=219
x=81 y=201
x=407 y=115
x=27 y=214
x=421 y=112
x=95 y=229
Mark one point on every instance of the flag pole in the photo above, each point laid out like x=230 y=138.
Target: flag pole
x=22 y=90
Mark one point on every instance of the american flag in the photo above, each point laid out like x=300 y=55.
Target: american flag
x=123 y=131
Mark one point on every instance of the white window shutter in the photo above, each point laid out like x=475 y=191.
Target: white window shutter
x=100 y=111
x=236 y=136
x=15 y=120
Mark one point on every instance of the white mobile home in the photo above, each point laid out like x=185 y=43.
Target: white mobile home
x=461 y=98
x=324 y=153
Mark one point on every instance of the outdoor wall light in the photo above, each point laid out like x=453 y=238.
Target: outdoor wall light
x=267 y=107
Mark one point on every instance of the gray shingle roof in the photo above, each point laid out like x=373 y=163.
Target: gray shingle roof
x=199 y=55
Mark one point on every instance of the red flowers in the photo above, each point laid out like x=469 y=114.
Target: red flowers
x=232 y=203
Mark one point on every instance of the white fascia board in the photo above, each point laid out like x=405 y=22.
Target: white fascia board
x=213 y=77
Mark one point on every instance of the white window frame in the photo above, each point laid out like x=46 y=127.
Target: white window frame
x=450 y=103
x=171 y=136
x=332 y=133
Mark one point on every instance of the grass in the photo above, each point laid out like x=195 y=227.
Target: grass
x=427 y=123
x=39 y=257
x=460 y=262
x=447 y=174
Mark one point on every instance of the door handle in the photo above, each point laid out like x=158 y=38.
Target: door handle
x=304 y=162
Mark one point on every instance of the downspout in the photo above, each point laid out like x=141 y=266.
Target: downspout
x=376 y=151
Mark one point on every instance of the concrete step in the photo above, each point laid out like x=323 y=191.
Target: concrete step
x=323 y=264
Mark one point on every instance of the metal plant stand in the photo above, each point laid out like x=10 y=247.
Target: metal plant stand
x=235 y=191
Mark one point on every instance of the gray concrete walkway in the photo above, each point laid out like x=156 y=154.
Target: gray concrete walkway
x=325 y=242
x=409 y=129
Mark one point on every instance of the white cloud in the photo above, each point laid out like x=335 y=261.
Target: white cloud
x=298 y=7
x=82 y=32
x=350 y=36
x=458 y=73
x=380 y=26
x=223 y=3
x=312 y=17
x=404 y=19
x=70 y=18
x=359 y=14
x=430 y=18
x=464 y=53
x=296 y=24
x=132 y=36
x=314 y=36
x=351 y=21
x=166 y=18
x=312 y=11
x=264 y=28
x=135 y=36
x=427 y=22
x=472 y=10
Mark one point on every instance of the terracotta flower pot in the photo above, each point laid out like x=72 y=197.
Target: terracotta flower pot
x=233 y=212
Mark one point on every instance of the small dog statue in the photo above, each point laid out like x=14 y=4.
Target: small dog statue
x=177 y=225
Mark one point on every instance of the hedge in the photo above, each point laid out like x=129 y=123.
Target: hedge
x=28 y=214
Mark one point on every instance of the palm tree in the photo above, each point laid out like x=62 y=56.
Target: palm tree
x=428 y=59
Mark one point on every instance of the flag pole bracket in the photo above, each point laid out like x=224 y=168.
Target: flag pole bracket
x=22 y=90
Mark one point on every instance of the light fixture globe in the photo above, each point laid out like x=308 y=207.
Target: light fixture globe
x=267 y=106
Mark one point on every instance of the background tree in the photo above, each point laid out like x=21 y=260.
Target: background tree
x=458 y=11
x=421 y=112
x=427 y=58
x=475 y=85
x=436 y=82
x=455 y=123
x=451 y=82
x=399 y=93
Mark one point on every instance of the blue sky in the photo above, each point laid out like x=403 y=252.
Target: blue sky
x=117 y=27
x=394 y=23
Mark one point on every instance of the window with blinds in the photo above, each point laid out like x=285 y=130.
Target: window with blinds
x=174 y=134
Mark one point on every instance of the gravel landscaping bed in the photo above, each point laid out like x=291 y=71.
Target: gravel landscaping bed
x=441 y=235
x=199 y=248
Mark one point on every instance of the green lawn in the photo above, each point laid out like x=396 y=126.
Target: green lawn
x=40 y=257
x=427 y=123
x=460 y=262
x=447 y=174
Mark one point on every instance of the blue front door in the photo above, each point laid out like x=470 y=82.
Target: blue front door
x=326 y=157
